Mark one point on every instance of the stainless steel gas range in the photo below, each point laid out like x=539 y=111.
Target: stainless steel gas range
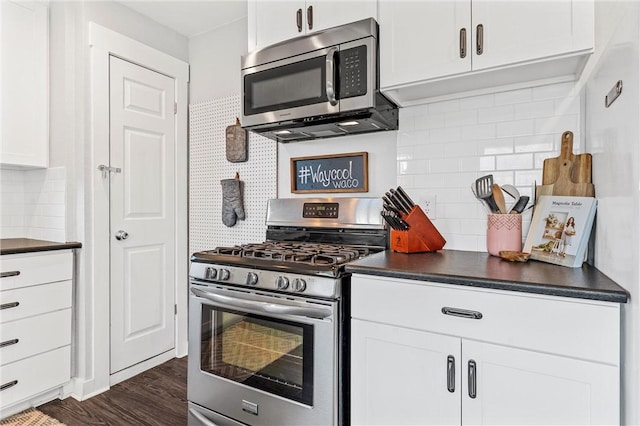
x=268 y=322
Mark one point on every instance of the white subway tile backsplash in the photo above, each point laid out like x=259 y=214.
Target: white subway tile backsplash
x=537 y=109
x=477 y=102
x=33 y=204
x=496 y=146
x=513 y=133
x=513 y=97
x=496 y=114
x=514 y=162
x=515 y=128
x=461 y=118
x=478 y=132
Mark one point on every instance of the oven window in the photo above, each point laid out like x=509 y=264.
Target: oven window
x=287 y=86
x=273 y=355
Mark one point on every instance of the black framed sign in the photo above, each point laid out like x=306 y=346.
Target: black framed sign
x=330 y=173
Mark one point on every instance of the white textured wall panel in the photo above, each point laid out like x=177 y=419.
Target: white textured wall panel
x=208 y=165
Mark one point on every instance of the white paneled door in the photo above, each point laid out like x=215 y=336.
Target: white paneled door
x=142 y=200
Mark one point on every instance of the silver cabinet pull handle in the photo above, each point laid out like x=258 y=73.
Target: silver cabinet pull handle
x=9 y=274
x=9 y=342
x=479 y=39
x=9 y=305
x=463 y=42
x=463 y=313
x=472 y=379
x=8 y=385
x=299 y=20
x=331 y=84
x=451 y=373
x=310 y=17
x=121 y=235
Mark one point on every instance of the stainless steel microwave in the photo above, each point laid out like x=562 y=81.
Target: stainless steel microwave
x=320 y=85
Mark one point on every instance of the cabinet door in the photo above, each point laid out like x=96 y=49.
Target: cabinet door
x=399 y=376
x=276 y=21
x=24 y=84
x=331 y=13
x=527 y=30
x=422 y=40
x=514 y=386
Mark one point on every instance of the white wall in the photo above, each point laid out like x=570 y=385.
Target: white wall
x=215 y=62
x=444 y=147
x=613 y=136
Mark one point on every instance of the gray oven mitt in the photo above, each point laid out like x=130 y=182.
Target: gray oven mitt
x=232 y=205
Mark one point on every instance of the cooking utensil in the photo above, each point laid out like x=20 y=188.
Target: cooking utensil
x=482 y=201
x=397 y=202
x=519 y=206
x=498 y=196
x=581 y=170
x=484 y=189
x=511 y=190
x=390 y=208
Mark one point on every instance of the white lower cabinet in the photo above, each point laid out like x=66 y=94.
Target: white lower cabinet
x=413 y=364
x=35 y=327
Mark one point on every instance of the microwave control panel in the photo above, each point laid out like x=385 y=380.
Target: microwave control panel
x=353 y=72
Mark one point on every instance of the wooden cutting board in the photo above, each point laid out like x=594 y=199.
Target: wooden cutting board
x=565 y=186
x=581 y=169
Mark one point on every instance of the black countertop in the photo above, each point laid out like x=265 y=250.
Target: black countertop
x=27 y=245
x=479 y=269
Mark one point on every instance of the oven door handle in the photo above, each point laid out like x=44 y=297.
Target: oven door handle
x=237 y=302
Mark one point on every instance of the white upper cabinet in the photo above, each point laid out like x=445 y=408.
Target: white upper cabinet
x=418 y=40
x=24 y=84
x=274 y=21
x=435 y=49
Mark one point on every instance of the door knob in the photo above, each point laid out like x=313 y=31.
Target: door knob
x=121 y=235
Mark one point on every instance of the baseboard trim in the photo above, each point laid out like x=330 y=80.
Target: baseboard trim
x=134 y=370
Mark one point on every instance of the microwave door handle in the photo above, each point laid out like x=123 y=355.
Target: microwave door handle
x=331 y=75
x=262 y=307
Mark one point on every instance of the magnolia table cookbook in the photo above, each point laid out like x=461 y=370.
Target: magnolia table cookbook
x=560 y=229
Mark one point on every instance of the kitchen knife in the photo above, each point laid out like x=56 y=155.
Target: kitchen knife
x=406 y=207
x=390 y=208
x=396 y=203
x=519 y=206
x=405 y=196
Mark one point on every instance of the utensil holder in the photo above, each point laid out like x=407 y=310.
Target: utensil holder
x=421 y=236
x=504 y=232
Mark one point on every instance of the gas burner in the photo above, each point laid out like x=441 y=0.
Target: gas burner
x=295 y=252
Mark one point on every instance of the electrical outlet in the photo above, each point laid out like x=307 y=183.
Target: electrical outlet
x=428 y=204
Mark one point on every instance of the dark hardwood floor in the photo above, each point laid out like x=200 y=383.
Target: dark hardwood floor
x=157 y=397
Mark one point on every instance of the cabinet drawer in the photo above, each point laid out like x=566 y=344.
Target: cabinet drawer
x=571 y=327
x=31 y=376
x=21 y=270
x=29 y=301
x=34 y=335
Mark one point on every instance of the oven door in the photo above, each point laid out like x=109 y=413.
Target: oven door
x=263 y=359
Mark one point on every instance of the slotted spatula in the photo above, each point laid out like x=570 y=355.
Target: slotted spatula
x=484 y=191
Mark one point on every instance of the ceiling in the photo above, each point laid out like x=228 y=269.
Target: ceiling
x=189 y=17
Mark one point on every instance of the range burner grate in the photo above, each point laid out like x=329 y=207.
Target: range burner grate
x=303 y=253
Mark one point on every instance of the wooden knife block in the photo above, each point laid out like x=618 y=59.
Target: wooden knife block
x=421 y=236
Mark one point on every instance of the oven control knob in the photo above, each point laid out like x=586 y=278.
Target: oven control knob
x=210 y=274
x=299 y=285
x=282 y=282
x=224 y=274
x=252 y=278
